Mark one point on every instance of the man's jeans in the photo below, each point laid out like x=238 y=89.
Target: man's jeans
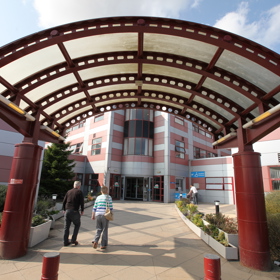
x=75 y=217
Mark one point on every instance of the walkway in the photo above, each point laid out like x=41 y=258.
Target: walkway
x=147 y=240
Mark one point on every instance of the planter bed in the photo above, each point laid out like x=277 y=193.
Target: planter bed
x=229 y=253
x=39 y=233
x=88 y=204
x=56 y=217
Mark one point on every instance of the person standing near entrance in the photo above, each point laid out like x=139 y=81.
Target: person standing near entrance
x=72 y=203
x=193 y=192
x=102 y=224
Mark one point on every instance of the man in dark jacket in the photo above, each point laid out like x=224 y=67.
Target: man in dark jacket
x=72 y=203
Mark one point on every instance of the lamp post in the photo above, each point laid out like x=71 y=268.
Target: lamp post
x=54 y=196
x=217 y=203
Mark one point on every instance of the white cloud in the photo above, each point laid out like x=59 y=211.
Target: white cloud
x=271 y=35
x=264 y=30
x=56 y=12
x=196 y=3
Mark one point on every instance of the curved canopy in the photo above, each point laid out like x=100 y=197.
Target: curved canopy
x=63 y=75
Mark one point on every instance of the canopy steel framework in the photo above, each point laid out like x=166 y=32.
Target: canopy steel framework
x=225 y=83
x=63 y=75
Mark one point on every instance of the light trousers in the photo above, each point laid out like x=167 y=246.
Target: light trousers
x=102 y=225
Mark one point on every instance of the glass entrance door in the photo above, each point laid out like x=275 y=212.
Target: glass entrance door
x=115 y=186
x=134 y=188
x=158 y=190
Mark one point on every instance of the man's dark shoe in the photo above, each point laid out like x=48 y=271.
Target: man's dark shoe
x=67 y=244
x=75 y=243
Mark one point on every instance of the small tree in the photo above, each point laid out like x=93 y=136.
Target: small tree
x=57 y=175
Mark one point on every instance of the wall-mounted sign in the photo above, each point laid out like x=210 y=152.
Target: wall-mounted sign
x=156 y=186
x=198 y=174
x=16 y=181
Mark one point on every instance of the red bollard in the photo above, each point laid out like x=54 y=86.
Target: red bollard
x=212 y=267
x=50 y=266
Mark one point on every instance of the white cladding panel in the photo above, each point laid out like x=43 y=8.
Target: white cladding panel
x=137 y=169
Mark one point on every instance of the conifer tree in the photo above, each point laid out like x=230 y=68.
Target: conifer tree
x=57 y=175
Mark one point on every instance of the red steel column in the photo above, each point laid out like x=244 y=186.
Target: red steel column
x=17 y=214
x=251 y=213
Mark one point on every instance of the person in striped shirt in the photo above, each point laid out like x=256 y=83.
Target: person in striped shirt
x=102 y=223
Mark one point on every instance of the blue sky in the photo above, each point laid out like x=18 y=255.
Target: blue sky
x=257 y=20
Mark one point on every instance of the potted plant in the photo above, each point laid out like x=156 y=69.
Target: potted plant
x=40 y=228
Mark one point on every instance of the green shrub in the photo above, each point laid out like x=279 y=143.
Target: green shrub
x=52 y=212
x=37 y=220
x=227 y=224
x=42 y=207
x=272 y=203
x=192 y=208
x=221 y=236
x=3 y=191
x=184 y=211
x=197 y=220
x=213 y=231
x=179 y=203
x=273 y=222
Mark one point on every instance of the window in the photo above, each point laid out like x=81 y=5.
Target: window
x=179 y=121
x=179 y=185
x=179 y=149
x=200 y=153
x=195 y=127
x=209 y=154
x=77 y=148
x=208 y=135
x=76 y=126
x=220 y=183
x=275 y=178
x=79 y=177
x=138 y=132
x=139 y=114
x=196 y=152
x=93 y=184
x=99 y=118
x=138 y=146
x=96 y=146
x=200 y=130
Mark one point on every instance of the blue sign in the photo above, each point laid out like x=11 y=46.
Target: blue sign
x=198 y=174
x=183 y=195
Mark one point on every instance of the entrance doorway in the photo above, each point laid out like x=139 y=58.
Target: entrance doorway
x=134 y=188
x=115 y=186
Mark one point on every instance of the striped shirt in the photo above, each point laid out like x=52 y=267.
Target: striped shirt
x=99 y=206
